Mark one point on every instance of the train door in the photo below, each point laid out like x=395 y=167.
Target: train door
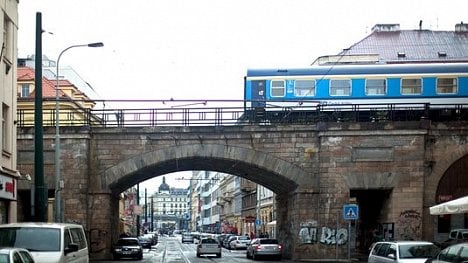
x=258 y=93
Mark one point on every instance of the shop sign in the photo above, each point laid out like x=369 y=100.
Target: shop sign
x=7 y=187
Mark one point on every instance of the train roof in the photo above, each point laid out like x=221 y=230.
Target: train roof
x=428 y=68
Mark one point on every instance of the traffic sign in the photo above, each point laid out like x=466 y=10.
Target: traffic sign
x=258 y=222
x=350 y=212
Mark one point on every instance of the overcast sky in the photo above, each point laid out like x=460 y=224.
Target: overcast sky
x=201 y=49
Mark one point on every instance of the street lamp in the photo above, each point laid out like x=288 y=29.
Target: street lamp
x=58 y=185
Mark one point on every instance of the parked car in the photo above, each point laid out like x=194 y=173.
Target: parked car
x=402 y=252
x=268 y=247
x=187 y=238
x=457 y=253
x=47 y=242
x=208 y=246
x=239 y=242
x=455 y=236
x=153 y=237
x=15 y=255
x=127 y=247
x=226 y=240
x=145 y=241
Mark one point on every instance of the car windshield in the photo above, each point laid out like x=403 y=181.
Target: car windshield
x=127 y=242
x=4 y=258
x=268 y=241
x=31 y=238
x=418 y=250
x=244 y=238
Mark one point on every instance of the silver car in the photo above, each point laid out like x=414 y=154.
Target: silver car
x=265 y=247
x=402 y=252
x=15 y=254
x=208 y=246
x=453 y=254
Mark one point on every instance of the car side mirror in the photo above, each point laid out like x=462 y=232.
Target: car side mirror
x=71 y=248
x=391 y=256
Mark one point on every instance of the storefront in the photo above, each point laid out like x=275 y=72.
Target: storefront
x=8 y=190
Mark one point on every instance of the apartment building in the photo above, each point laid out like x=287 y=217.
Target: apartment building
x=9 y=175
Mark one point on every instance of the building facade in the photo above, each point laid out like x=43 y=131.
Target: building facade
x=169 y=209
x=9 y=175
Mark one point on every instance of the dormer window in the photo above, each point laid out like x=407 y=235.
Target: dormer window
x=401 y=54
x=442 y=54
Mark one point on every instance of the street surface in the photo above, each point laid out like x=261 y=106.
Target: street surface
x=171 y=250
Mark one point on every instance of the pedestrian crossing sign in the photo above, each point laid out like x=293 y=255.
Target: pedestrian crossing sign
x=351 y=212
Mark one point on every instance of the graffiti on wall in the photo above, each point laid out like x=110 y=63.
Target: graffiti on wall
x=96 y=241
x=409 y=223
x=308 y=234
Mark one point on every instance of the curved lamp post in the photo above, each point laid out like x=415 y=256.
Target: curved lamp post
x=58 y=185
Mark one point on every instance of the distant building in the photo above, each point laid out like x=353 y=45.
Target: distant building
x=387 y=43
x=169 y=207
x=74 y=104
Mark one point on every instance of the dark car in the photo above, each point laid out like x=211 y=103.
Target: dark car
x=145 y=241
x=455 y=253
x=268 y=247
x=127 y=247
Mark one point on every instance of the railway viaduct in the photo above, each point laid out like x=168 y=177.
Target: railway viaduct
x=392 y=170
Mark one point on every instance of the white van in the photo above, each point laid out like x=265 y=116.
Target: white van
x=47 y=242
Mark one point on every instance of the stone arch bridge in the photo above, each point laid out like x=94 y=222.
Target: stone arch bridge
x=392 y=170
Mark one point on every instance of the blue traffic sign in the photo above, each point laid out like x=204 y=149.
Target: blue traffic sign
x=350 y=212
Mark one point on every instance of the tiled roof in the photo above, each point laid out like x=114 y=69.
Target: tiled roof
x=396 y=45
x=48 y=86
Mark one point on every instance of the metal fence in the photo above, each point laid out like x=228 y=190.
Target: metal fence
x=122 y=113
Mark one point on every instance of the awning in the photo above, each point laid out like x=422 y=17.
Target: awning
x=457 y=206
x=272 y=223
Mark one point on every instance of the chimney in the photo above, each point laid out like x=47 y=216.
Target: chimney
x=461 y=28
x=420 y=24
x=386 y=28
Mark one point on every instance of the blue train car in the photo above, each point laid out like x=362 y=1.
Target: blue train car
x=437 y=89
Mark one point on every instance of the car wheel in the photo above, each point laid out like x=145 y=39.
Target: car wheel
x=253 y=256
x=218 y=255
x=116 y=257
x=140 y=257
x=198 y=255
x=247 y=255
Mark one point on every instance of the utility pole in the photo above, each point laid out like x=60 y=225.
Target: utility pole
x=138 y=216
x=146 y=210
x=39 y=186
x=152 y=215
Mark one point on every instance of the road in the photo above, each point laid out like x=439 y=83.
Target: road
x=171 y=250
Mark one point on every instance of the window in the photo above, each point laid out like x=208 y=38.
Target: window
x=376 y=87
x=304 y=88
x=24 y=90
x=277 y=88
x=447 y=86
x=411 y=86
x=5 y=128
x=340 y=87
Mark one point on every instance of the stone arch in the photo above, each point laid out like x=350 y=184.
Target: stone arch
x=440 y=167
x=263 y=168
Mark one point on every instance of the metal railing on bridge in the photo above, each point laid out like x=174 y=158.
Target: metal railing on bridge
x=140 y=113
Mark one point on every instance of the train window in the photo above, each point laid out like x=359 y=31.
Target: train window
x=277 y=88
x=304 y=88
x=447 y=86
x=376 y=87
x=411 y=86
x=340 y=87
